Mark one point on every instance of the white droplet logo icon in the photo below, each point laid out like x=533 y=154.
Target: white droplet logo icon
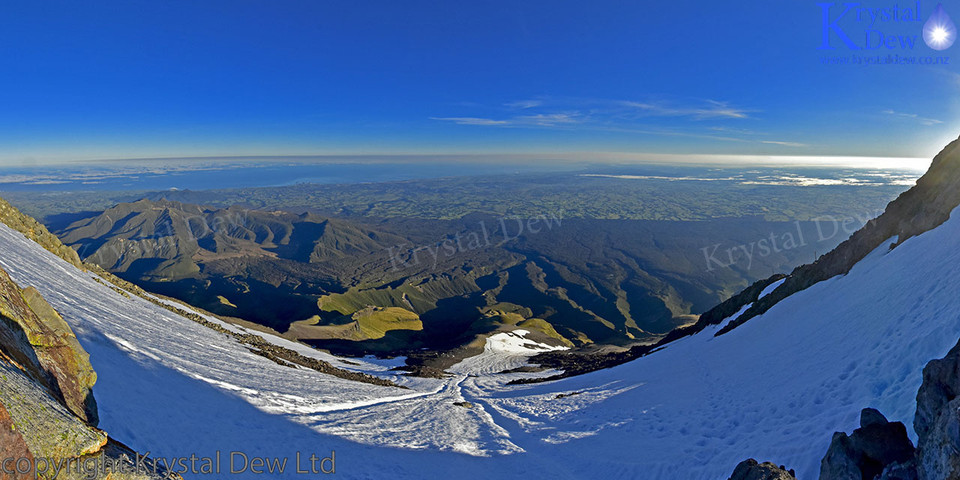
x=939 y=32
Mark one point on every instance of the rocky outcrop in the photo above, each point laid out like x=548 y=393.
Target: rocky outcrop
x=34 y=425
x=750 y=469
x=48 y=429
x=732 y=305
x=870 y=449
x=47 y=411
x=35 y=337
x=937 y=421
x=879 y=449
x=46 y=378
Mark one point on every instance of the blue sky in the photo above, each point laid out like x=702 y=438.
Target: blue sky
x=115 y=79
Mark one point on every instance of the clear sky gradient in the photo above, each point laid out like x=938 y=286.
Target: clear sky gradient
x=116 y=79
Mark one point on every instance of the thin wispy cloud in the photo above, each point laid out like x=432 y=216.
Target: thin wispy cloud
x=550 y=119
x=660 y=117
x=912 y=116
x=784 y=144
x=472 y=121
x=711 y=109
x=534 y=120
x=735 y=131
x=561 y=112
x=522 y=104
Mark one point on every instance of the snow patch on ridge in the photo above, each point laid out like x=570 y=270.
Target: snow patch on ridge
x=502 y=351
x=770 y=288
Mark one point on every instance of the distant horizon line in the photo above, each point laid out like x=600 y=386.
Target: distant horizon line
x=566 y=158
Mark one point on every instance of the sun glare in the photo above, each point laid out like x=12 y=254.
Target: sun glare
x=939 y=35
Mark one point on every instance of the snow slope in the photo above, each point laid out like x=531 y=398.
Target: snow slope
x=774 y=388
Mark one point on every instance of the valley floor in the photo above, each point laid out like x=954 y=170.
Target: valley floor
x=775 y=388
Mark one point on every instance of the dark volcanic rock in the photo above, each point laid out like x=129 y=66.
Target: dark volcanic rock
x=900 y=471
x=841 y=461
x=941 y=384
x=879 y=446
x=733 y=304
x=750 y=469
x=937 y=421
x=871 y=416
x=871 y=448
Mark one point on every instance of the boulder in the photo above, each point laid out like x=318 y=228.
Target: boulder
x=871 y=416
x=751 y=469
x=865 y=453
x=62 y=355
x=35 y=337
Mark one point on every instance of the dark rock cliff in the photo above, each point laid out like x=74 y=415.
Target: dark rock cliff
x=937 y=421
x=924 y=207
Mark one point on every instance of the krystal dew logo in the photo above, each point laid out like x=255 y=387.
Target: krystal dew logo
x=885 y=34
x=939 y=32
